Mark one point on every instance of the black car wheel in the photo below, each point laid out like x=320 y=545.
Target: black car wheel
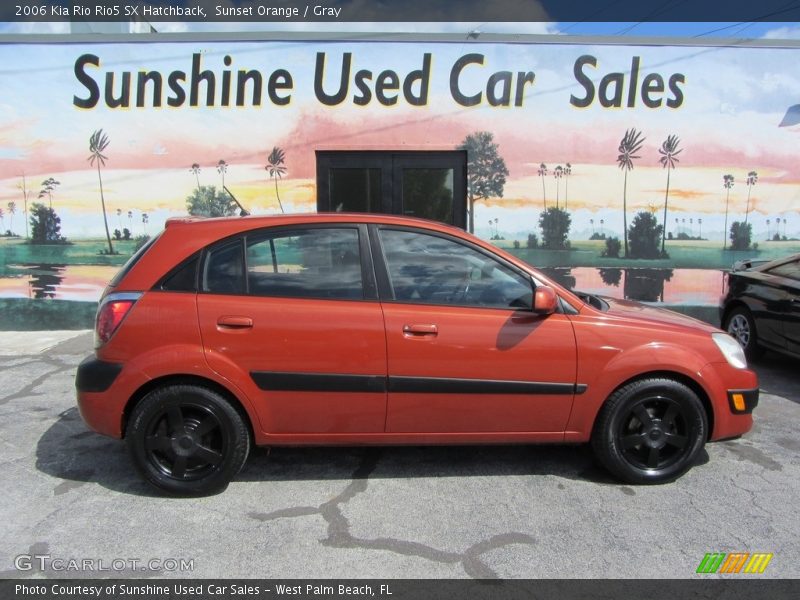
x=741 y=325
x=187 y=440
x=650 y=431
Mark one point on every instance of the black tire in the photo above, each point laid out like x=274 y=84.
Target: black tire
x=742 y=326
x=187 y=440
x=650 y=431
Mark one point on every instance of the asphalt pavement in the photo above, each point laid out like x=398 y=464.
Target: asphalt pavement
x=74 y=507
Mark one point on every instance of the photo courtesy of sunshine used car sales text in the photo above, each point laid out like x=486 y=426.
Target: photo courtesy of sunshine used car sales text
x=188 y=589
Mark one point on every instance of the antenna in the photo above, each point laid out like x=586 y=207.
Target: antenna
x=242 y=211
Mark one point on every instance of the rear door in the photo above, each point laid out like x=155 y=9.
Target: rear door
x=465 y=352
x=292 y=313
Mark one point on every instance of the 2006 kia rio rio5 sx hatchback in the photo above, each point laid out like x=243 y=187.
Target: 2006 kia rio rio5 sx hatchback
x=372 y=329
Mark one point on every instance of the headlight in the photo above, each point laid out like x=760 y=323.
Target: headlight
x=730 y=349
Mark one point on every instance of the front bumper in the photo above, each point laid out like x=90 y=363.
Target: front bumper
x=723 y=382
x=742 y=401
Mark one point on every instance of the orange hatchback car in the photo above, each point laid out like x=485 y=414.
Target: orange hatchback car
x=372 y=329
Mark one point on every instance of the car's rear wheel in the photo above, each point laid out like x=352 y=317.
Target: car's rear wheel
x=650 y=431
x=187 y=439
x=741 y=325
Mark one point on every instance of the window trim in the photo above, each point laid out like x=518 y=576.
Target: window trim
x=386 y=291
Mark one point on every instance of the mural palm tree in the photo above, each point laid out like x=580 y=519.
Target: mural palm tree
x=727 y=183
x=222 y=167
x=629 y=145
x=12 y=209
x=130 y=221
x=48 y=187
x=558 y=173
x=195 y=170
x=752 y=177
x=145 y=220
x=542 y=174
x=2 y=220
x=276 y=169
x=567 y=173
x=98 y=142
x=669 y=151
x=23 y=187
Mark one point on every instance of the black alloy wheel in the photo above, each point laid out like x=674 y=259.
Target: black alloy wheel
x=650 y=431
x=187 y=440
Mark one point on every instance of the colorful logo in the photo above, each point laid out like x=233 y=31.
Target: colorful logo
x=735 y=562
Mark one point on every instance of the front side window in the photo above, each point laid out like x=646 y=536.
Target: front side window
x=312 y=263
x=428 y=269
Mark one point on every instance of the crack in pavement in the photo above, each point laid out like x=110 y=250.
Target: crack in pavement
x=28 y=390
x=339 y=535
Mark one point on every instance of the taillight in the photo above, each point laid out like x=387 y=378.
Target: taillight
x=112 y=311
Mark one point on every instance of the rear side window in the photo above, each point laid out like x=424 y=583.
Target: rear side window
x=133 y=260
x=183 y=278
x=224 y=269
x=307 y=263
x=312 y=263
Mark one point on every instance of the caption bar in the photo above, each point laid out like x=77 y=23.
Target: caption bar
x=445 y=11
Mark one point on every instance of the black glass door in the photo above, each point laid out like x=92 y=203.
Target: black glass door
x=429 y=185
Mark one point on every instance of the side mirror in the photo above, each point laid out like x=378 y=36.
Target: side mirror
x=544 y=300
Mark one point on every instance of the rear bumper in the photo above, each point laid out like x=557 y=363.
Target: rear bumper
x=97 y=408
x=96 y=375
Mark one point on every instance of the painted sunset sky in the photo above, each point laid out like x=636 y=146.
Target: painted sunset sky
x=731 y=103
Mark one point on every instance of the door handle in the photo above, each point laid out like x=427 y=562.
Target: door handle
x=234 y=322
x=420 y=330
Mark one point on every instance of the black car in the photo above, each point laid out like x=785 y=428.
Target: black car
x=761 y=308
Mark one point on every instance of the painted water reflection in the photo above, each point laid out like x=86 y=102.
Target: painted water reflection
x=57 y=282
x=688 y=287
x=677 y=287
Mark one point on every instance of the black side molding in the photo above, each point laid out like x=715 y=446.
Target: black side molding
x=317 y=382
x=325 y=382
x=96 y=375
x=436 y=385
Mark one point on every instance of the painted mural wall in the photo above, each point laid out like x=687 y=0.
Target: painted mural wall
x=635 y=171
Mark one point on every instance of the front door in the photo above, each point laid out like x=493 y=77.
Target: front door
x=429 y=185
x=785 y=279
x=465 y=352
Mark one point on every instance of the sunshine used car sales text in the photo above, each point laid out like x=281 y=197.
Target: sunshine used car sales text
x=337 y=81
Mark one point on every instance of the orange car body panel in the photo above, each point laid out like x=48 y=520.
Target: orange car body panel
x=576 y=360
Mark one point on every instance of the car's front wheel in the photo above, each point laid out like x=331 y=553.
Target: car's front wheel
x=650 y=431
x=187 y=439
x=741 y=325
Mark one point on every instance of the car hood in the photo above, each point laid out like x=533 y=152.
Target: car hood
x=658 y=317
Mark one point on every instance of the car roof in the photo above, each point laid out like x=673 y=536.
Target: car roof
x=237 y=224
